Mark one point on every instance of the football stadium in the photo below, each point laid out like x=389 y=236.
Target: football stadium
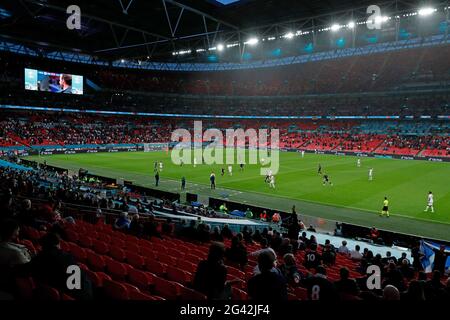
x=224 y=151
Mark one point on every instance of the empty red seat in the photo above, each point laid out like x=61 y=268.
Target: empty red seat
x=78 y=252
x=97 y=278
x=115 y=290
x=72 y=236
x=140 y=296
x=301 y=293
x=188 y=294
x=116 y=270
x=135 y=260
x=165 y=258
x=116 y=242
x=155 y=267
x=45 y=293
x=96 y=261
x=148 y=253
x=133 y=247
x=100 y=247
x=167 y=289
x=186 y=265
x=178 y=275
x=235 y=273
x=25 y=287
x=85 y=242
x=192 y=258
x=238 y=294
x=141 y=279
x=117 y=253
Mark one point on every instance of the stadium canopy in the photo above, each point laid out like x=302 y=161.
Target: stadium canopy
x=199 y=30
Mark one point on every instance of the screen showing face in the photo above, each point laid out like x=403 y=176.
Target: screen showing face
x=38 y=80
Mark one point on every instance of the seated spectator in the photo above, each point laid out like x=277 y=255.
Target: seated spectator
x=11 y=253
x=210 y=277
x=319 y=287
x=312 y=258
x=328 y=255
x=268 y=285
x=203 y=231
x=343 y=249
x=167 y=227
x=355 y=254
x=264 y=248
x=276 y=218
x=275 y=241
x=403 y=257
x=388 y=259
x=263 y=216
x=226 y=232
x=237 y=253
x=122 y=223
x=345 y=285
x=394 y=277
x=216 y=235
x=151 y=228
x=247 y=234
x=406 y=270
x=136 y=226
x=289 y=269
x=257 y=237
x=434 y=287
x=50 y=267
x=311 y=228
x=285 y=247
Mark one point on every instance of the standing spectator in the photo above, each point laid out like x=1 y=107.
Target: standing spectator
x=440 y=258
x=391 y=293
x=122 y=223
x=268 y=285
x=328 y=255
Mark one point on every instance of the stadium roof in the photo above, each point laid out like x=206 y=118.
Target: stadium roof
x=156 y=29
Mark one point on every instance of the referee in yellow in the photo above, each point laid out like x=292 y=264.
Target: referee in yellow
x=385 y=209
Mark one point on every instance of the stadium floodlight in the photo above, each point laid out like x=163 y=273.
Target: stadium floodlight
x=122 y=60
x=380 y=19
x=426 y=11
x=220 y=47
x=252 y=41
x=335 y=27
x=351 y=24
x=289 y=35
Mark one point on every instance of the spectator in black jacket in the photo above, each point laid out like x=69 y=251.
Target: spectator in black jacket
x=345 y=285
x=50 y=266
x=211 y=275
x=268 y=285
x=237 y=253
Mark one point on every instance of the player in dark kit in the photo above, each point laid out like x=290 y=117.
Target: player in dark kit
x=222 y=172
x=183 y=183
x=157 y=178
x=326 y=180
x=212 y=179
x=241 y=166
x=319 y=170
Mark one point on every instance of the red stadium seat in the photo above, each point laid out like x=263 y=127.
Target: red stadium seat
x=135 y=260
x=141 y=279
x=139 y=296
x=25 y=288
x=178 y=275
x=167 y=289
x=79 y=253
x=117 y=253
x=238 y=294
x=100 y=247
x=188 y=266
x=133 y=247
x=45 y=293
x=188 y=294
x=148 y=253
x=116 y=270
x=96 y=261
x=164 y=258
x=155 y=267
x=115 y=290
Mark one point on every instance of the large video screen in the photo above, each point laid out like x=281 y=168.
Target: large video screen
x=38 y=80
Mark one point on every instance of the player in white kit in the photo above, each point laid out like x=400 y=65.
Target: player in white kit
x=230 y=170
x=161 y=166
x=195 y=162
x=303 y=153
x=272 y=182
x=370 y=174
x=430 y=202
x=358 y=163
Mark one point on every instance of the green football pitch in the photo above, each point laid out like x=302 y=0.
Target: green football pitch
x=352 y=198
